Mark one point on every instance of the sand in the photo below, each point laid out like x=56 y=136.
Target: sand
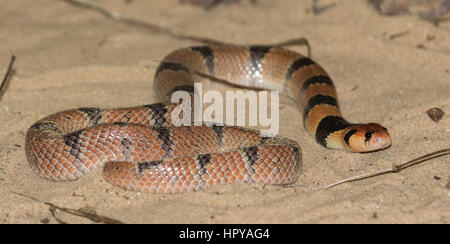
x=69 y=57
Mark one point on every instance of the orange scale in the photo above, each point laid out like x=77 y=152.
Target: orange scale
x=90 y=147
x=71 y=170
x=194 y=185
x=157 y=153
x=53 y=158
x=235 y=178
x=88 y=164
x=272 y=164
x=58 y=149
x=221 y=178
x=208 y=182
x=48 y=155
x=271 y=175
x=109 y=153
x=217 y=182
x=280 y=155
x=186 y=185
x=209 y=169
x=220 y=158
x=179 y=175
x=61 y=160
x=263 y=176
x=116 y=143
x=225 y=179
x=258 y=170
x=220 y=175
x=47 y=172
x=239 y=168
x=189 y=177
x=140 y=184
x=214 y=172
x=46 y=161
x=222 y=168
x=270 y=155
x=181 y=151
x=133 y=154
x=211 y=173
x=230 y=170
x=162 y=185
x=87 y=156
x=171 y=184
x=261 y=168
x=231 y=178
x=57 y=165
x=64 y=171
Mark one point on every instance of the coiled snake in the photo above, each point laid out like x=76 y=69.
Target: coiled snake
x=141 y=151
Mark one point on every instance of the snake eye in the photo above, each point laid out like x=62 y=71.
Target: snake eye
x=368 y=135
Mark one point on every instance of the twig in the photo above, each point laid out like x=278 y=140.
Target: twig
x=297 y=41
x=395 y=168
x=436 y=21
x=396 y=35
x=77 y=212
x=318 y=10
x=53 y=212
x=8 y=72
x=148 y=26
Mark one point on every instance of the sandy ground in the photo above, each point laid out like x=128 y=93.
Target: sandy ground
x=69 y=57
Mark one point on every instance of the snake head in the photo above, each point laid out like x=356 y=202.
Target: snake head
x=367 y=138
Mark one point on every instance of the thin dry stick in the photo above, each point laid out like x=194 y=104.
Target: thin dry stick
x=295 y=42
x=138 y=23
x=8 y=72
x=77 y=212
x=317 y=10
x=436 y=21
x=395 y=168
x=397 y=35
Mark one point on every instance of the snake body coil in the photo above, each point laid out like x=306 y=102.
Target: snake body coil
x=141 y=151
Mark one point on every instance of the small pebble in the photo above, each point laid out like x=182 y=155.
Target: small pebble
x=435 y=114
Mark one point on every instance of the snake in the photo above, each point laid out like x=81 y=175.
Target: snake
x=141 y=150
